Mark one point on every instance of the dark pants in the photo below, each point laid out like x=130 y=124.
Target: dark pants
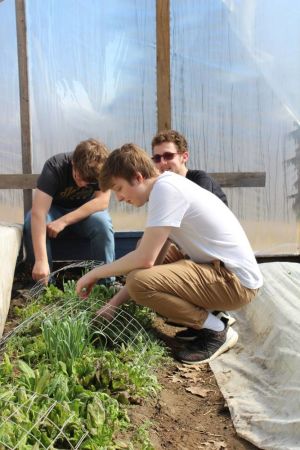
x=97 y=228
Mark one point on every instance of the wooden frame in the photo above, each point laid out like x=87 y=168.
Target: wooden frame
x=229 y=179
x=28 y=180
x=163 y=64
x=24 y=96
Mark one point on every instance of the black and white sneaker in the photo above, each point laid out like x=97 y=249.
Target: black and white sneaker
x=231 y=320
x=188 y=335
x=208 y=345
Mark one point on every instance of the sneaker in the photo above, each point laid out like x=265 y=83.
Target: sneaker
x=208 y=345
x=231 y=320
x=189 y=334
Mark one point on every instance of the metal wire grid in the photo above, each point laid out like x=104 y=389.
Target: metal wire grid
x=43 y=417
x=122 y=329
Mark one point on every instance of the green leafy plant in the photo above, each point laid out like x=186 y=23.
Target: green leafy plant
x=66 y=339
x=60 y=381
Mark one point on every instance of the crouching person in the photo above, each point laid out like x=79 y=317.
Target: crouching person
x=68 y=199
x=216 y=270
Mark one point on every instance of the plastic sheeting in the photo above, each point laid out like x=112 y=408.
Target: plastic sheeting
x=236 y=95
x=10 y=133
x=92 y=74
x=259 y=378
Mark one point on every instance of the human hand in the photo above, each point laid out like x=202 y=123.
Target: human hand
x=85 y=284
x=107 y=311
x=55 y=227
x=41 y=271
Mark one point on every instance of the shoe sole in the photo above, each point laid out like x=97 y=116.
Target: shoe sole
x=231 y=340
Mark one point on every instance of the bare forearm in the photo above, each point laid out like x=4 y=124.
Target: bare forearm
x=122 y=266
x=143 y=257
x=84 y=211
x=121 y=297
x=38 y=232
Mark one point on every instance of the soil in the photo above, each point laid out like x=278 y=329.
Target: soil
x=189 y=413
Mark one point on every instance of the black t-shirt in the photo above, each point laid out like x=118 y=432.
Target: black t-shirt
x=205 y=181
x=57 y=181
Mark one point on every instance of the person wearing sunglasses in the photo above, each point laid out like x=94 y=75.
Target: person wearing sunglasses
x=217 y=269
x=170 y=152
x=68 y=199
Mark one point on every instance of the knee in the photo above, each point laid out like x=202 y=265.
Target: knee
x=99 y=224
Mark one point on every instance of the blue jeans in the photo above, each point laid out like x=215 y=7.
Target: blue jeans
x=97 y=228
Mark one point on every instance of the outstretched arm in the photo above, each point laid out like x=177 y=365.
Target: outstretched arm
x=109 y=309
x=143 y=257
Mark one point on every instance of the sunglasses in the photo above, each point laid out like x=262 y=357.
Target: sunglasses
x=167 y=156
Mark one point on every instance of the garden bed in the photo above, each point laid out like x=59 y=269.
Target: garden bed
x=187 y=413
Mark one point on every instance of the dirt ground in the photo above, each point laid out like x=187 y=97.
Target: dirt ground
x=189 y=413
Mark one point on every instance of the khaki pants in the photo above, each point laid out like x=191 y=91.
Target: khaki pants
x=184 y=291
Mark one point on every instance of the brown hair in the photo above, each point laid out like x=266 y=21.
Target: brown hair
x=170 y=136
x=88 y=158
x=126 y=162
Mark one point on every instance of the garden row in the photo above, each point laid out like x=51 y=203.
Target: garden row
x=67 y=377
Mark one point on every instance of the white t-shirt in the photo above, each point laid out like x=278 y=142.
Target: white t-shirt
x=202 y=226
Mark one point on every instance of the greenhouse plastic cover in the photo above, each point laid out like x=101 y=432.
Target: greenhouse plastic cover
x=259 y=378
x=235 y=71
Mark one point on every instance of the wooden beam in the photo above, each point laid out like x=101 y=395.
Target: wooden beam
x=240 y=179
x=24 y=96
x=14 y=181
x=163 y=72
x=229 y=179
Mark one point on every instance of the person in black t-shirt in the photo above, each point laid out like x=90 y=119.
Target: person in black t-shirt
x=170 y=152
x=68 y=198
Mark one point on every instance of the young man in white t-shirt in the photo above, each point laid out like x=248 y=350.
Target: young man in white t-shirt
x=218 y=272
x=170 y=152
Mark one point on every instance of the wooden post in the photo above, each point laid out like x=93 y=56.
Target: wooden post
x=24 y=97
x=163 y=64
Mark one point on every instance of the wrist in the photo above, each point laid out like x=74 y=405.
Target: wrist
x=41 y=260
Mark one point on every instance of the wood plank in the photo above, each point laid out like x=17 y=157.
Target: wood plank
x=163 y=72
x=225 y=179
x=18 y=181
x=24 y=96
x=240 y=179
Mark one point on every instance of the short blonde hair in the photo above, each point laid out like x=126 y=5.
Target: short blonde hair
x=126 y=162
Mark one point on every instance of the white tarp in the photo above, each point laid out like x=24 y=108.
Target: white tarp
x=260 y=377
x=10 y=241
